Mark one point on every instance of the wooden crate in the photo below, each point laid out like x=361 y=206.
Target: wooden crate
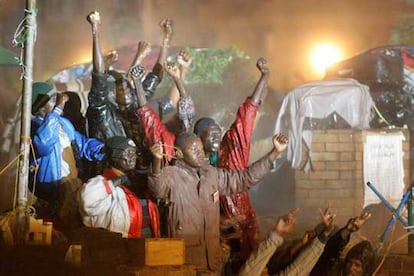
x=165 y=270
x=39 y=232
x=156 y=252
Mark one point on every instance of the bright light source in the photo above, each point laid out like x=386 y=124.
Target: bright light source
x=324 y=55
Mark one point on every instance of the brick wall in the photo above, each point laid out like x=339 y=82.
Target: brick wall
x=337 y=175
x=397 y=265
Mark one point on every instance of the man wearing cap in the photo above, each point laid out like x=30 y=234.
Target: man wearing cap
x=105 y=201
x=54 y=174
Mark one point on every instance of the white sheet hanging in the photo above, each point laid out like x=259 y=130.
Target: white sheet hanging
x=383 y=167
x=347 y=97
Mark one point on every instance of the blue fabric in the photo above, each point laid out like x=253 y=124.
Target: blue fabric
x=214 y=158
x=146 y=230
x=49 y=150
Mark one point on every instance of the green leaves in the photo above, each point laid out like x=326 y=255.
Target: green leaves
x=210 y=64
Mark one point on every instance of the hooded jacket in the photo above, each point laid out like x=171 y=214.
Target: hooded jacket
x=48 y=149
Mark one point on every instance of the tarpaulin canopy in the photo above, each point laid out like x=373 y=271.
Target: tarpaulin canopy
x=389 y=73
x=347 y=98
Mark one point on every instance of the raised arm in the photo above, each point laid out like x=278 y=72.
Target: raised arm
x=257 y=261
x=184 y=60
x=103 y=121
x=353 y=225
x=235 y=145
x=157 y=184
x=175 y=72
x=109 y=58
x=136 y=72
x=154 y=129
x=153 y=79
x=308 y=257
x=167 y=31
x=94 y=20
x=260 y=91
x=336 y=244
x=232 y=181
x=185 y=104
x=47 y=135
x=280 y=142
x=143 y=49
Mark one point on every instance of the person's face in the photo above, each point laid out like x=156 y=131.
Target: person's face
x=127 y=160
x=354 y=268
x=211 y=137
x=124 y=97
x=193 y=153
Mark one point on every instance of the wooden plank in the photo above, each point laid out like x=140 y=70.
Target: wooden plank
x=179 y=270
x=156 y=252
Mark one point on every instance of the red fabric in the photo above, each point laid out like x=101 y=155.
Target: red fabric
x=107 y=188
x=110 y=174
x=135 y=213
x=153 y=213
x=234 y=154
x=235 y=145
x=134 y=207
x=408 y=59
x=156 y=131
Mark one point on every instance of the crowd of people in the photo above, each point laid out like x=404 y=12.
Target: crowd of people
x=140 y=165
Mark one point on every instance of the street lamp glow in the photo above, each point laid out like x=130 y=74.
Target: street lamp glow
x=324 y=55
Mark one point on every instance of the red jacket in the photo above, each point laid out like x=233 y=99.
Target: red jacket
x=234 y=154
x=155 y=131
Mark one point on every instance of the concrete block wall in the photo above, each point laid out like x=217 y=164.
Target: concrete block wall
x=337 y=174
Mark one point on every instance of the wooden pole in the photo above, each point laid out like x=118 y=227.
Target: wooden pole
x=22 y=220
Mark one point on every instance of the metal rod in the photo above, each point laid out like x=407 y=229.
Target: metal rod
x=395 y=212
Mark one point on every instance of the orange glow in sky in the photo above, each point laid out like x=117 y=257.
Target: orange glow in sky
x=324 y=55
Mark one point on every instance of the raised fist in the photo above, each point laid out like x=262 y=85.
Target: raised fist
x=262 y=66
x=94 y=18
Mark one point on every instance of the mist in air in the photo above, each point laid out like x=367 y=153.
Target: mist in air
x=283 y=32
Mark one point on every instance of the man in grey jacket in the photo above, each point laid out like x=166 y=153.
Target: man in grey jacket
x=193 y=188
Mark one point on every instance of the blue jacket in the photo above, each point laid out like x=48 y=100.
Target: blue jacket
x=45 y=135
